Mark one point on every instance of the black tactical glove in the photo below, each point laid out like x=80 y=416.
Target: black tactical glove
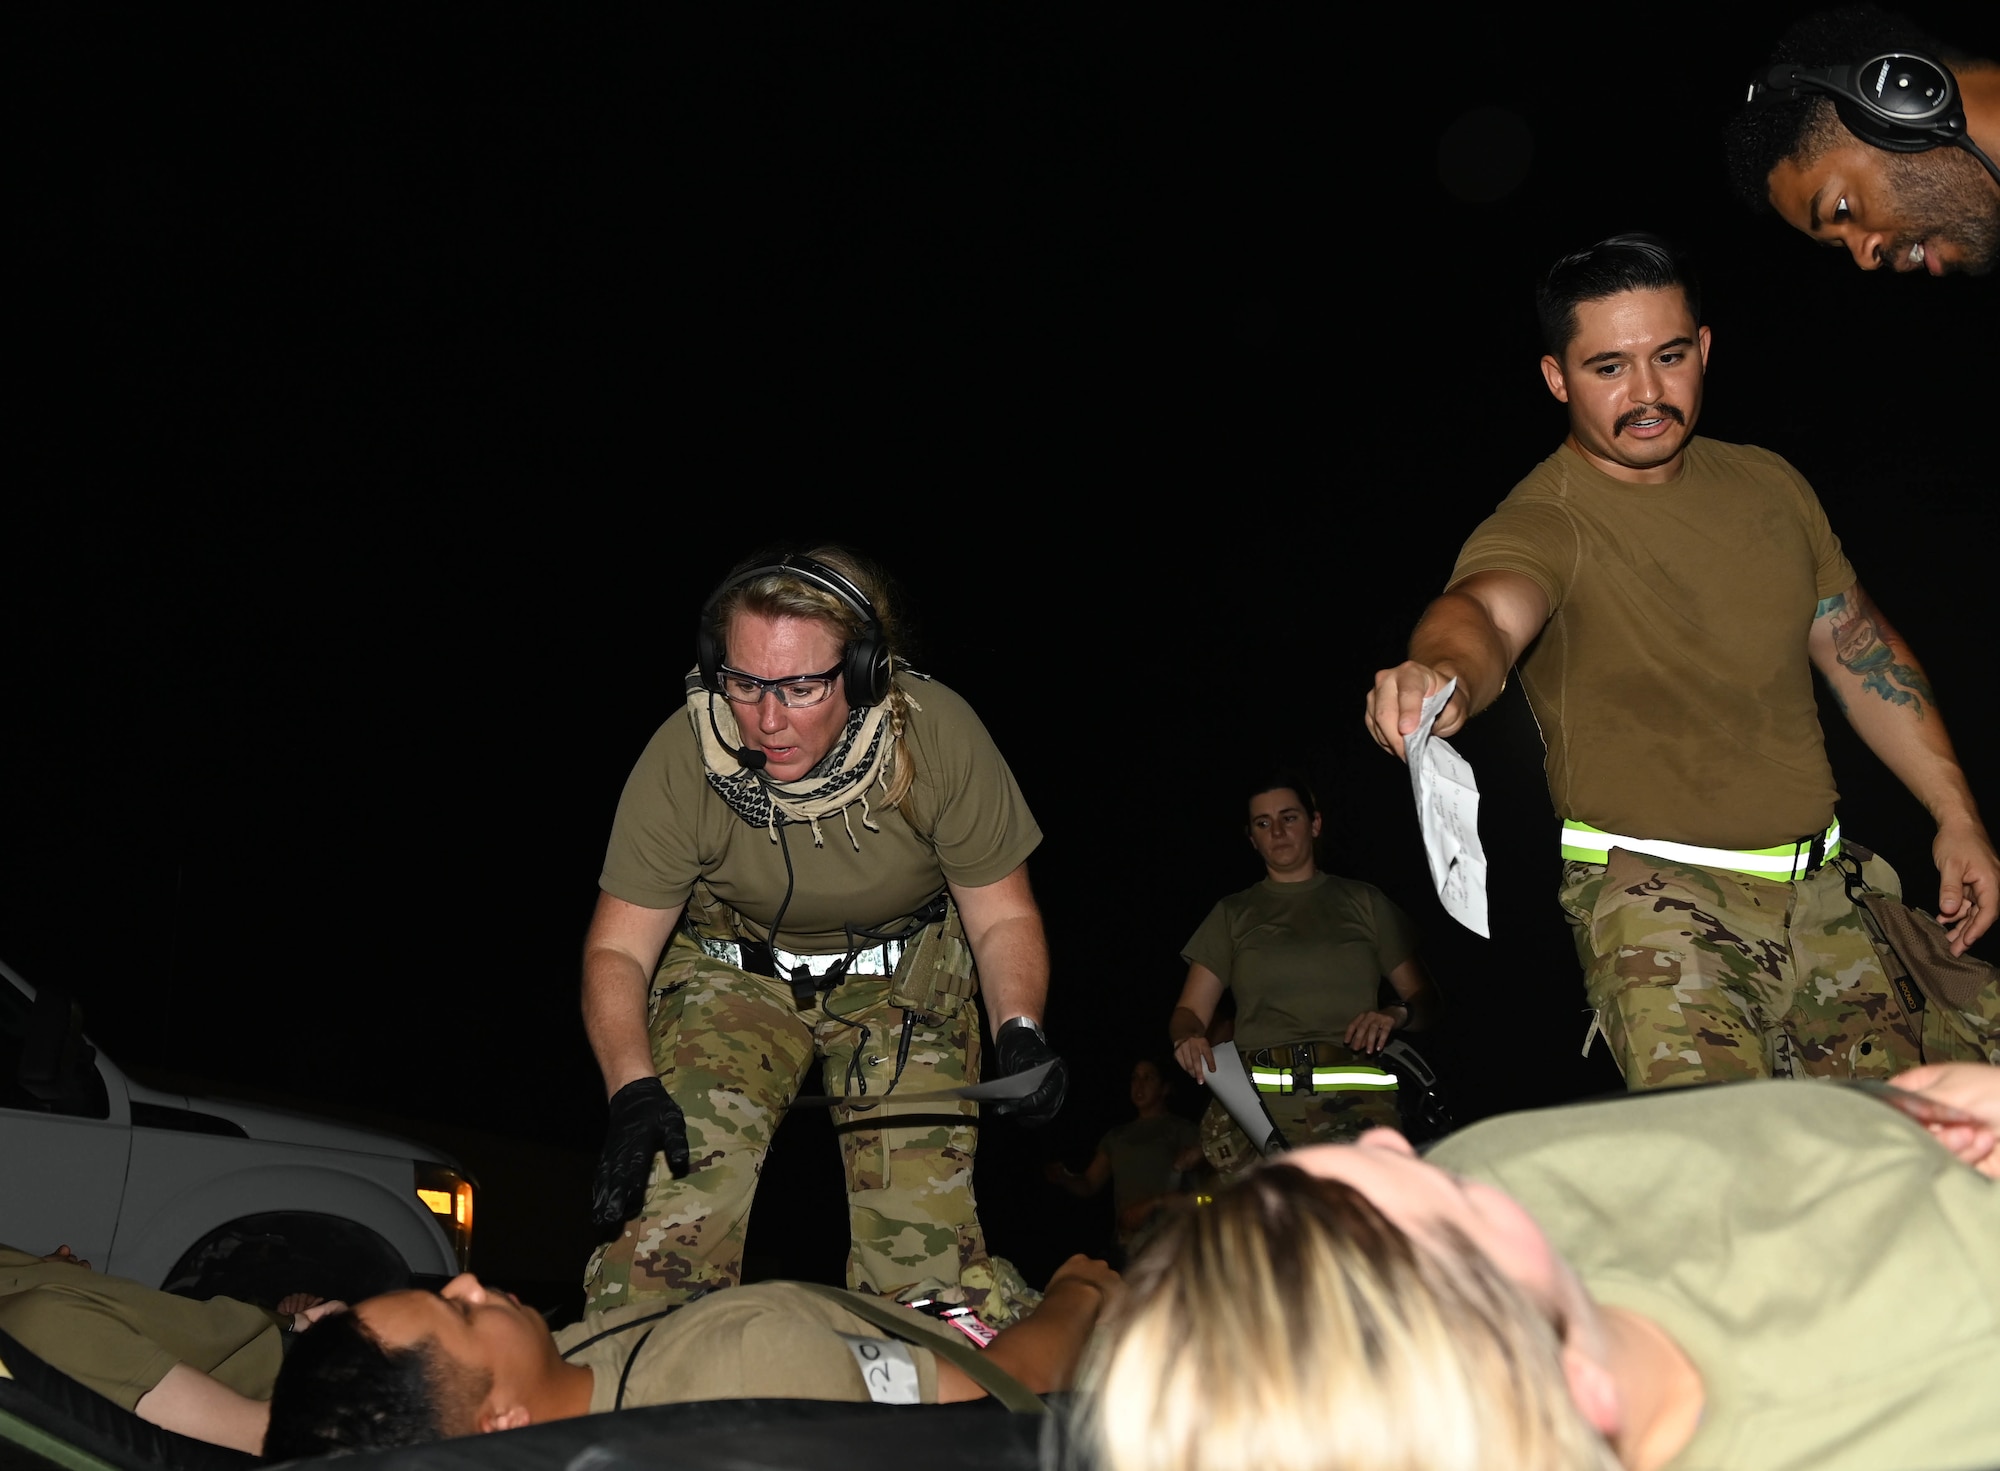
x=644 y=1122
x=1019 y=1045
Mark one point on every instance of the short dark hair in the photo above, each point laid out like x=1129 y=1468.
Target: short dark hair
x=1631 y=262
x=341 y=1389
x=1765 y=133
x=1276 y=781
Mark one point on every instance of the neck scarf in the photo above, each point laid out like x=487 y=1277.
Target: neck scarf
x=859 y=757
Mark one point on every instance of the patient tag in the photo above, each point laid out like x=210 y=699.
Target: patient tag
x=886 y=1368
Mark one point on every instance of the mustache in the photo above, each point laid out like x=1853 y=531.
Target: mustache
x=1656 y=411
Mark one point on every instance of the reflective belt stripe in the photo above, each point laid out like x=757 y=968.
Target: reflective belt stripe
x=1339 y=1080
x=879 y=959
x=1582 y=843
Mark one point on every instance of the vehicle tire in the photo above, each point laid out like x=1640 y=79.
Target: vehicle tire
x=262 y=1258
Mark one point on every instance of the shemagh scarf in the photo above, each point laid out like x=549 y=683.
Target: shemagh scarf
x=842 y=777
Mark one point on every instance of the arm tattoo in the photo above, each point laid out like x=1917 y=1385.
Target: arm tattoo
x=1862 y=643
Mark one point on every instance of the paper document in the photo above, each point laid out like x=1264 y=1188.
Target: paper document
x=1448 y=814
x=1231 y=1085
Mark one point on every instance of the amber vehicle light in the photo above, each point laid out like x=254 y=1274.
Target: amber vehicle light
x=447 y=1194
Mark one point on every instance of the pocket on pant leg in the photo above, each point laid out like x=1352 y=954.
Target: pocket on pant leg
x=1675 y=988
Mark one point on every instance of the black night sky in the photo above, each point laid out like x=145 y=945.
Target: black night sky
x=396 y=383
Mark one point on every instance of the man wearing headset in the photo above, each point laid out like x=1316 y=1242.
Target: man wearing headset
x=832 y=855
x=1677 y=593
x=1868 y=136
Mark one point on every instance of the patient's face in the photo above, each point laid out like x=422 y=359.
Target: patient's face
x=1419 y=1197
x=488 y=1332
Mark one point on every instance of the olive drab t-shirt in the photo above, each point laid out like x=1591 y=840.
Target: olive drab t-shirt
x=1142 y=1153
x=972 y=828
x=770 y=1340
x=1672 y=683
x=120 y=1337
x=1303 y=959
x=1832 y=1272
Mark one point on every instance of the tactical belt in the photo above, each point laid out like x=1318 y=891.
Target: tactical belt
x=1583 y=843
x=880 y=958
x=1314 y=1067
x=763 y=959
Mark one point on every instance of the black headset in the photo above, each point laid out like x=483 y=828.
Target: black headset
x=865 y=665
x=1899 y=100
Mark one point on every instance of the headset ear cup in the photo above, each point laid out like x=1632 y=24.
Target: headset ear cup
x=866 y=668
x=1878 y=132
x=708 y=654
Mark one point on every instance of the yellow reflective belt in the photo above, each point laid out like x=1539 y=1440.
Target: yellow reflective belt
x=1583 y=843
x=1332 y=1080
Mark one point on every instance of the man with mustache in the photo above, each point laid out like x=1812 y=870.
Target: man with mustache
x=1677 y=593
x=1921 y=197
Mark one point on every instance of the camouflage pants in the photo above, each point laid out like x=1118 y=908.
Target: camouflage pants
x=734 y=1050
x=1698 y=975
x=1303 y=1118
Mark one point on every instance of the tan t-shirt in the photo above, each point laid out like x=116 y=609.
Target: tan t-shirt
x=772 y=1340
x=973 y=828
x=1672 y=683
x=1832 y=1272
x=1303 y=959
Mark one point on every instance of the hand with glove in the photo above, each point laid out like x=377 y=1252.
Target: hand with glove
x=644 y=1121
x=1019 y=1046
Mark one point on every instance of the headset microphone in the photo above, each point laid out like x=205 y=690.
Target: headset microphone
x=744 y=757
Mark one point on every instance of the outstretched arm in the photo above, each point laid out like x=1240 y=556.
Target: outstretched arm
x=1888 y=701
x=1087 y=1184
x=1473 y=634
x=1042 y=1349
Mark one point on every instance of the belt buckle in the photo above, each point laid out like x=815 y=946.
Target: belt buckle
x=1302 y=1067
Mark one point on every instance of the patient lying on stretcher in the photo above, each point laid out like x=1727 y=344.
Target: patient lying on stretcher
x=203 y=1369
x=410 y=1367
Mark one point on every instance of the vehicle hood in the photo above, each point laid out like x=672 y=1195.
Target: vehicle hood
x=282 y=1126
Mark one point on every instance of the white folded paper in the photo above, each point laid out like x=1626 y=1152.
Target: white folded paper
x=1235 y=1092
x=1448 y=814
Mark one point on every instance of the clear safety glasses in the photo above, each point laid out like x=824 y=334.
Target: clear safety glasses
x=794 y=691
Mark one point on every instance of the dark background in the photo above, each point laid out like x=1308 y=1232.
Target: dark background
x=396 y=383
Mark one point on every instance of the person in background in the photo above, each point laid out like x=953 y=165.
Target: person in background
x=1146 y=1162
x=1306 y=954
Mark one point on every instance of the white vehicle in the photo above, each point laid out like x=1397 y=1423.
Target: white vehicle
x=201 y=1196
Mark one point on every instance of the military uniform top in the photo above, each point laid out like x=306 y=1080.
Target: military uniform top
x=1672 y=683
x=772 y=1340
x=1142 y=1157
x=120 y=1337
x=969 y=825
x=1832 y=1272
x=1304 y=959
